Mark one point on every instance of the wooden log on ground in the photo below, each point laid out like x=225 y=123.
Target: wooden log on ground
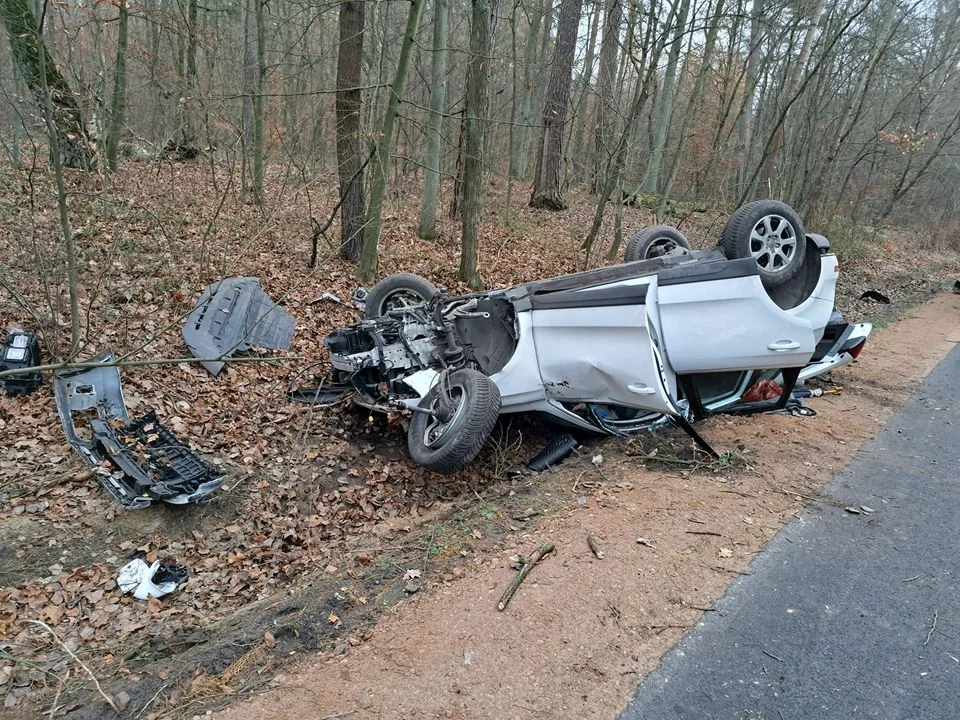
x=544 y=549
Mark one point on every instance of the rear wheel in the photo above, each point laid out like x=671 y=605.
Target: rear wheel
x=464 y=407
x=771 y=233
x=397 y=291
x=655 y=242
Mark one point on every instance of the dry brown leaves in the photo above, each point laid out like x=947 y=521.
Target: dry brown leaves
x=302 y=481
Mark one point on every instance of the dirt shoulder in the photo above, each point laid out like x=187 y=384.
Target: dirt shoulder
x=581 y=632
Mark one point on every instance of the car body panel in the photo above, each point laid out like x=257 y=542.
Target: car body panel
x=732 y=324
x=600 y=354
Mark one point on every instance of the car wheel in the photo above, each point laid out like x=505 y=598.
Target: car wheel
x=771 y=233
x=463 y=410
x=655 y=242
x=396 y=291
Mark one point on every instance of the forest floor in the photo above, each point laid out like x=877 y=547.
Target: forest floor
x=330 y=573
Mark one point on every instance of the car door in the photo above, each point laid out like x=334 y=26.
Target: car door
x=718 y=317
x=598 y=345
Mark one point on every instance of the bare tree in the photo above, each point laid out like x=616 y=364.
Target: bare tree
x=42 y=78
x=438 y=96
x=473 y=124
x=118 y=101
x=350 y=160
x=385 y=145
x=546 y=182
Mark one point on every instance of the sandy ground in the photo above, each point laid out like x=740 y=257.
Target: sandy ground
x=582 y=632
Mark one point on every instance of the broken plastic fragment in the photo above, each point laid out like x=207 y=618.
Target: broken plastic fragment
x=554 y=453
x=20 y=351
x=146 y=461
x=232 y=316
x=146 y=581
x=321 y=395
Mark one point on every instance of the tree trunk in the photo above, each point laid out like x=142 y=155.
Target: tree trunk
x=118 y=101
x=381 y=160
x=607 y=95
x=259 y=121
x=189 y=125
x=546 y=182
x=69 y=239
x=580 y=111
x=473 y=124
x=692 y=107
x=438 y=97
x=651 y=182
x=519 y=148
x=775 y=159
x=350 y=153
x=746 y=118
x=249 y=90
x=40 y=73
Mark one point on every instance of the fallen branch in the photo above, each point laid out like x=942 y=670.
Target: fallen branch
x=670 y=460
x=78 y=661
x=703 y=532
x=592 y=544
x=933 y=627
x=741 y=494
x=544 y=549
x=141 y=363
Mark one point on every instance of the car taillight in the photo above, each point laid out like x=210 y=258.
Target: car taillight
x=856 y=349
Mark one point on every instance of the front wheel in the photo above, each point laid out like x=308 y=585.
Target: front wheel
x=656 y=242
x=395 y=292
x=464 y=407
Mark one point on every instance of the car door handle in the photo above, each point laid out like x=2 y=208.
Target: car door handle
x=641 y=389
x=783 y=345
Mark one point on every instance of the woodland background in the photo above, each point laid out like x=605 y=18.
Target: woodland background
x=850 y=111
x=150 y=148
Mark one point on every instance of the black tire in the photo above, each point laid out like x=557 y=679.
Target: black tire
x=655 y=242
x=395 y=291
x=446 y=446
x=770 y=232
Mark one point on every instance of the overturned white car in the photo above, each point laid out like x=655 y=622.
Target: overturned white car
x=673 y=332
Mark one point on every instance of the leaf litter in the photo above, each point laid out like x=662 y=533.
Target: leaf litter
x=304 y=486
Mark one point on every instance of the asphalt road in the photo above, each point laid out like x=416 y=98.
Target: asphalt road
x=843 y=615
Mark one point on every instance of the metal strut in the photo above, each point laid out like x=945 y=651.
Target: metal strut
x=697 y=438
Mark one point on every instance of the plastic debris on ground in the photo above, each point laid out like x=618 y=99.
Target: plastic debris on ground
x=320 y=395
x=20 y=350
x=154 y=580
x=136 y=462
x=232 y=316
x=556 y=451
